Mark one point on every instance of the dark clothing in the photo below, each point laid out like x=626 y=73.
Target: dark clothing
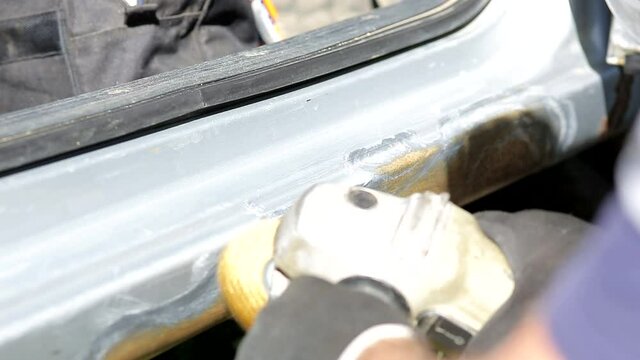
x=594 y=308
x=537 y=244
x=52 y=49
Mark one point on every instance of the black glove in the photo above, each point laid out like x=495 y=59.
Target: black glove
x=315 y=320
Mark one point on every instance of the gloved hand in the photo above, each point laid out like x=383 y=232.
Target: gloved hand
x=428 y=250
x=337 y=233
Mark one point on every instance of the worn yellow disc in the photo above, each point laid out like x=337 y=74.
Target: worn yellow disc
x=241 y=271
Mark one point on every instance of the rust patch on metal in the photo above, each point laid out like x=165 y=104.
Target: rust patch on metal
x=499 y=152
x=149 y=343
x=476 y=161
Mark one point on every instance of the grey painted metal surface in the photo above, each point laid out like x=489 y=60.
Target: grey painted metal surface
x=88 y=120
x=91 y=247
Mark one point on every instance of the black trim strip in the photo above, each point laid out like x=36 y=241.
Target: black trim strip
x=69 y=125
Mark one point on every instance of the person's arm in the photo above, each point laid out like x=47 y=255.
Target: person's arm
x=315 y=320
x=323 y=318
x=318 y=320
x=592 y=310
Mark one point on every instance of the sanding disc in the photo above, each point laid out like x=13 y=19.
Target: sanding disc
x=241 y=271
